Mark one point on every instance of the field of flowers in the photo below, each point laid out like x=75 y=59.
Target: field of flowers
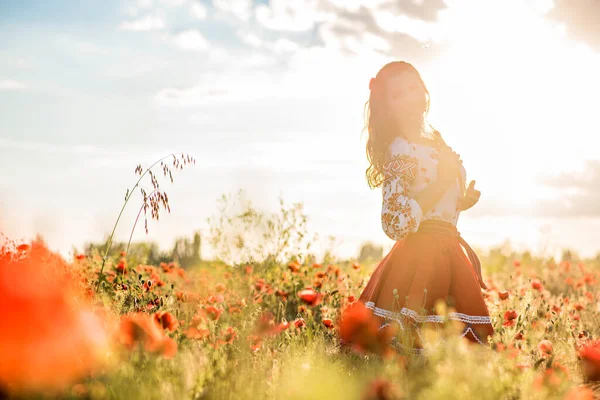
x=106 y=326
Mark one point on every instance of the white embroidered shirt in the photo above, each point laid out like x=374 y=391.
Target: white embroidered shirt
x=410 y=169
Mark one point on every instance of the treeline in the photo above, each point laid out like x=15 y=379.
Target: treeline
x=185 y=251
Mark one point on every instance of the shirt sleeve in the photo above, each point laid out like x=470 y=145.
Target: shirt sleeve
x=400 y=214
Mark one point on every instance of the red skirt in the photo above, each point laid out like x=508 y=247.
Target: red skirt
x=424 y=267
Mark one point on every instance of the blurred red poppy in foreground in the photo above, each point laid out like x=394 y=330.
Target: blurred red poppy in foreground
x=589 y=353
x=361 y=329
x=143 y=329
x=382 y=389
x=50 y=337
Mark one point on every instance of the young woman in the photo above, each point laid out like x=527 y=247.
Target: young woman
x=423 y=187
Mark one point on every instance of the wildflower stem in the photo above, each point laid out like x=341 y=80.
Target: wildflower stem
x=138 y=217
x=127 y=198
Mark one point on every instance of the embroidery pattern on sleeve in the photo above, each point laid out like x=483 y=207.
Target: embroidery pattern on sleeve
x=397 y=215
x=403 y=167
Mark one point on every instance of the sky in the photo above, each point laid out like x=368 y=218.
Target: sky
x=268 y=97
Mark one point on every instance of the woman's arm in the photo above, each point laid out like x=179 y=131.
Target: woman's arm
x=428 y=197
x=400 y=214
x=448 y=170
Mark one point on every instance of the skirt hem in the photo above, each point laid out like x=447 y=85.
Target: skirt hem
x=406 y=312
x=469 y=319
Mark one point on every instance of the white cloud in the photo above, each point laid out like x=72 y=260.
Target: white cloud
x=198 y=10
x=219 y=89
x=21 y=63
x=147 y=23
x=173 y=3
x=417 y=28
x=284 y=45
x=191 y=40
x=346 y=36
x=289 y=15
x=257 y=60
x=144 y=3
x=242 y=9
x=12 y=85
x=131 y=11
x=250 y=39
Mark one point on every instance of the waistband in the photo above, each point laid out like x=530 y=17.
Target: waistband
x=447 y=228
x=438 y=226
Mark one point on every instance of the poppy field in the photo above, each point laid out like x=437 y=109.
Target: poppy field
x=245 y=326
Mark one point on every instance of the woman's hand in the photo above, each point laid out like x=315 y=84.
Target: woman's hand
x=470 y=198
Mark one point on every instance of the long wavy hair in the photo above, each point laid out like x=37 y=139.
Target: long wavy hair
x=378 y=122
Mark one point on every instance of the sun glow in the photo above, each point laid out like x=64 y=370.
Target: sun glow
x=512 y=82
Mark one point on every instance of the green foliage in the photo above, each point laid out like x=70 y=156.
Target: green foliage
x=265 y=259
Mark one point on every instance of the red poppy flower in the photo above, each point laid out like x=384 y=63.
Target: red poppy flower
x=259 y=284
x=281 y=294
x=589 y=353
x=213 y=312
x=166 y=320
x=23 y=247
x=122 y=266
x=220 y=287
x=545 y=348
x=503 y=295
x=382 y=389
x=215 y=299
x=294 y=266
x=255 y=342
x=569 y=281
x=510 y=317
x=230 y=335
x=50 y=336
x=299 y=323
x=537 y=285
x=361 y=329
x=195 y=333
x=328 y=323
x=556 y=308
x=141 y=328
x=310 y=296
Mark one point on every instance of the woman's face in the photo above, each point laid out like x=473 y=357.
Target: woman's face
x=406 y=98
